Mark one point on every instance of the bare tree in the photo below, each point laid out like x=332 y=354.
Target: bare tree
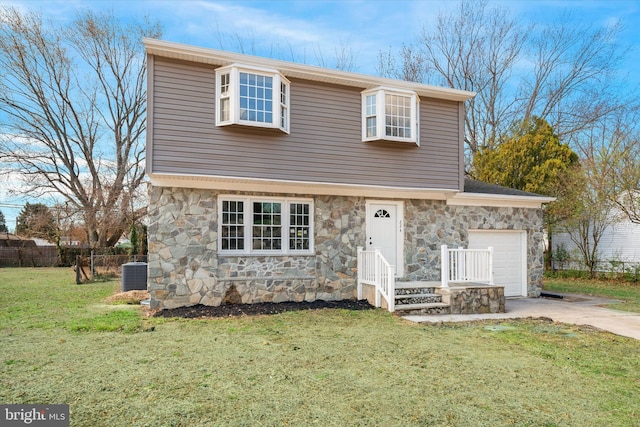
x=74 y=99
x=620 y=153
x=476 y=49
x=627 y=179
x=345 y=57
x=592 y=214
x=562 y=72
x=573 y=70
x=595 y=200
x=585 y=231
x=413 y=64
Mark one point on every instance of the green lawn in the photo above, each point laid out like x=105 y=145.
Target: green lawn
x=60 y=343
x=628 y=292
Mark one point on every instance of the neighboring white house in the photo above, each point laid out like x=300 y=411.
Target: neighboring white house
x=619 y=242
x=43 y=242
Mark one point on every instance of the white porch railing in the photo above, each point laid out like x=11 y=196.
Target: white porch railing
x=466 y=265
x=374 y=270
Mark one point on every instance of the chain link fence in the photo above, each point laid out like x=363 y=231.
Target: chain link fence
x=97 y=266
x=611 y=269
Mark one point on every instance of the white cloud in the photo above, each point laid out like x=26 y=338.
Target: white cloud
x=15 y=191
x=302 y=31
x=259 y=31
x=11 y=204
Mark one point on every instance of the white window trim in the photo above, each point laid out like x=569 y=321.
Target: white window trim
x=248 y=224
x=380 y=93
x=234 y=71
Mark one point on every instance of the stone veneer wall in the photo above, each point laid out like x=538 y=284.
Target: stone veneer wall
x=473 y=299
x=186 y=269
x=431 y=223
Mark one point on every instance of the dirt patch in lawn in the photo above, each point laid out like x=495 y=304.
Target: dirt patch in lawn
x=129 y=297
x=235 y=310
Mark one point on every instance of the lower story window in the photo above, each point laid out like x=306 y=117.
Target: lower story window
x=232 y=232
x=256 y=225
x=299 y=226
x=267 y=226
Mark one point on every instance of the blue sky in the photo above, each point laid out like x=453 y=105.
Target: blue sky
x=311 y=31
x=304 y=31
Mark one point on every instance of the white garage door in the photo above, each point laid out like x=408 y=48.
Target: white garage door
x=509 y=258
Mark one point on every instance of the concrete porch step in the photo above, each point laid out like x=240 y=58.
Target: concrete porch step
x=427 y=307
x=418 y=295
x=419 y=298
x=416 y=285
x=414 y=288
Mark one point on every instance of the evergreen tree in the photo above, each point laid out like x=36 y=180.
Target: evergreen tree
x=3 y=224
x=531 y=158
x=133 y=239
x=36 y=220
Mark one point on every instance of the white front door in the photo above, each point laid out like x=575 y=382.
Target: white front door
x=384 y=231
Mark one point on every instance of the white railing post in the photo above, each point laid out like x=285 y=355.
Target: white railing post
x=491 y=265
x=466 y=265
x=444 y=266
x=360 y=266
x=391 y=289
x=461 y=264
x=374 y=270
x=376 y=263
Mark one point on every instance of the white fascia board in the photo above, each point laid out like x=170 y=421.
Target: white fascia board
x=290 y=69
x=498 y=200
x=251 y=185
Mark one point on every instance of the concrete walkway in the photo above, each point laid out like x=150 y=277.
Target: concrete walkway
x=574 y=309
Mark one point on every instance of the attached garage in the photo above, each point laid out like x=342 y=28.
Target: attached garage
x=509 y=257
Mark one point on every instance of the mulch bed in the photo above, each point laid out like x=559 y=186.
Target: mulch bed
x=234 y=310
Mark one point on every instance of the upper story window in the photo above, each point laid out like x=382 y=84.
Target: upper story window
x=252 y=97
x=390 y=114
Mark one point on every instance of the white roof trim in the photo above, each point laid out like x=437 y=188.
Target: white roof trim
x=498 y=200
x=308 y=72
x=257 y=185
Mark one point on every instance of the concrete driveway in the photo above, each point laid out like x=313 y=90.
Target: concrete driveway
x=574 y=309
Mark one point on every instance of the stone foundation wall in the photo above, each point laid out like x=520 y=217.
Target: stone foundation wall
x=185 y=267
x=473 y=299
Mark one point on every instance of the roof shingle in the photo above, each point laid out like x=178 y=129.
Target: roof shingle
x=473 y=186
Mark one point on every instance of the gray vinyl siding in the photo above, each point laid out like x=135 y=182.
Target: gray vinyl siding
x=324 y=144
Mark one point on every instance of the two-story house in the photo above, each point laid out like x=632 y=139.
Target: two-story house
x=266 y=176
